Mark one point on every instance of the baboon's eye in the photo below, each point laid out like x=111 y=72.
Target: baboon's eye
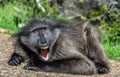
x=43 y=28
x=35 y=31
x=39 y=29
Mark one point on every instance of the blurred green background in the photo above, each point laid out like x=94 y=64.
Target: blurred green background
x=14 y=13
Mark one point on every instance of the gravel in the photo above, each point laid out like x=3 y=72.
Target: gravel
x=6 y=70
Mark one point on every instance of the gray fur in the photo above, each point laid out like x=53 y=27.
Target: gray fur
x=73 y=49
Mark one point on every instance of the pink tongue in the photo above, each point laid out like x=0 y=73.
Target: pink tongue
x=44 y=53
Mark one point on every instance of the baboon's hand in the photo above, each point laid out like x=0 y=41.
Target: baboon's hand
x=15 y=59
x=32 y=66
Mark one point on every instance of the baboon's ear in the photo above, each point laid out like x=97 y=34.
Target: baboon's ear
x=56 y=34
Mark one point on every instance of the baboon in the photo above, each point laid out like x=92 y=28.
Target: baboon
x=57 y=46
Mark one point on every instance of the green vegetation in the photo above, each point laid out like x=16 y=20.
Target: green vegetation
x=16 y=12
x=7 y=17
x=112 y=48
x=111 y=39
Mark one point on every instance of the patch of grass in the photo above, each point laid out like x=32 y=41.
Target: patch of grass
x=7 y=17
x=112 y=48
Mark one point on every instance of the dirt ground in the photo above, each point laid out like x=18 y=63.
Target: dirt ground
x=13 y=71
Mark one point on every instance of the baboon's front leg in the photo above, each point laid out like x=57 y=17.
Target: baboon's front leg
x=95 y=50
x=18 y=56
x=77 y=66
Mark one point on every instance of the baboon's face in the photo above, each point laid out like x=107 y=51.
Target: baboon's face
x=41 y=38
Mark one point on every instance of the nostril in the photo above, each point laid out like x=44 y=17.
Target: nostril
x=43 y=42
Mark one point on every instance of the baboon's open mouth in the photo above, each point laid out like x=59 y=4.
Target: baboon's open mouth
x=44 y=52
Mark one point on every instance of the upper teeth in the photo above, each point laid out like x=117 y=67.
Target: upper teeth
x=44 y=47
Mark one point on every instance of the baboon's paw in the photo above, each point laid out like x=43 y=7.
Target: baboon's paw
x=102 y=69
x=15 y=60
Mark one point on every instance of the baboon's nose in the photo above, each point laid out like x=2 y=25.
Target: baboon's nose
x=43 y=42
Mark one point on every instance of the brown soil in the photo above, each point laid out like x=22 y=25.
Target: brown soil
x=13 y=71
